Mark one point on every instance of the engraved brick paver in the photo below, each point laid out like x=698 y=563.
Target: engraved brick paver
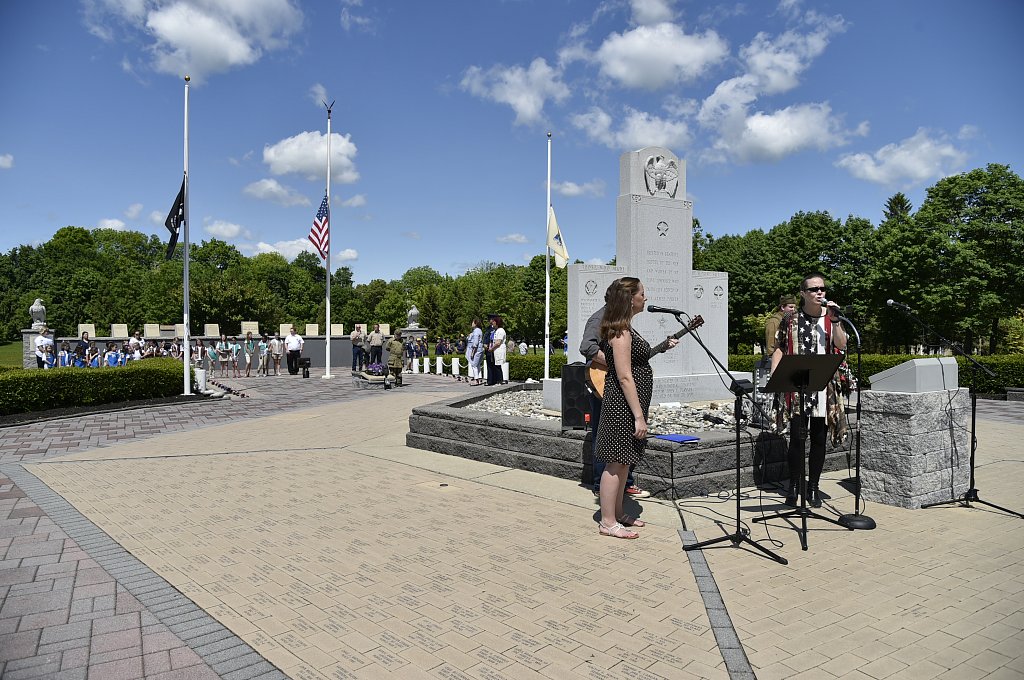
x=314 y=542
x=909 y=599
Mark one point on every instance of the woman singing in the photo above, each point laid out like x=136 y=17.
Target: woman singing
x=622 y=432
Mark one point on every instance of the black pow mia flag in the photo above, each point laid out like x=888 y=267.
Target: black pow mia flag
x=175 y=218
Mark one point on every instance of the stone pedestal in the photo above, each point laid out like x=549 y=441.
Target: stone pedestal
x=915 y=448
x=28 y=347
x=414 y=333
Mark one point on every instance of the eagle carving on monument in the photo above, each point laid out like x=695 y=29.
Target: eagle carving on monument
x=662 y=174
x=38 y=312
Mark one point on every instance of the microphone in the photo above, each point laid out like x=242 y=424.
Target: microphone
x=836 y=310
x=898 y=305
x=663 y=310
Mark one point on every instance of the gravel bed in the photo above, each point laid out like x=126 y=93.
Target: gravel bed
x=696 y=417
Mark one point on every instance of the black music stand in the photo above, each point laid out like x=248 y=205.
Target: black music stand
x=738 y=537
x=805 y=374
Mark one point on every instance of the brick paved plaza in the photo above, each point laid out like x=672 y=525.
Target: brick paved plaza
x=293 y=534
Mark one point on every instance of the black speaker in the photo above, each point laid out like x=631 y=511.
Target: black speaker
x=575 y=398
x=771 y=462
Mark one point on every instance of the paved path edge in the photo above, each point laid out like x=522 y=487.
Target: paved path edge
x=736 y=661
x=222 y=650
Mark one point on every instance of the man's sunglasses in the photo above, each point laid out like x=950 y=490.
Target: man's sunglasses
x=816 y=289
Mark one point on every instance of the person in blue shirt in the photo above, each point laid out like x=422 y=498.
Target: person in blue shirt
x=65 y=356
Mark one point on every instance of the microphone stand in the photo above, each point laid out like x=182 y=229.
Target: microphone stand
x=971 y=495
x=738 y=388
x=856 y=520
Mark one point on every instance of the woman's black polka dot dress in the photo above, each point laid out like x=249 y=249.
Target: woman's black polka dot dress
x=615 y=440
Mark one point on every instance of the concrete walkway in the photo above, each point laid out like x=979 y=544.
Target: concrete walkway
x=293 y=533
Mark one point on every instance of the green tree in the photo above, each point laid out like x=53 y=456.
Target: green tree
x=980 y=215
x=898 y=207
x=392 y=309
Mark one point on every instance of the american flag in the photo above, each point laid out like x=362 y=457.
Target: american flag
x=320 y=233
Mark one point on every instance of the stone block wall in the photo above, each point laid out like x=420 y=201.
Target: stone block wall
x=915 y=448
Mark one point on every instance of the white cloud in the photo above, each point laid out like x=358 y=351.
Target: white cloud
x=357 y=201
x=199 y=37
x=525 y=90
x=595 y=260
x=907 y=163
x=246 y=157
x=350 y=19
x=318 y=94
x=226 y=230
x=774 y=65
x=656 y=56
x=777 y=63
x=647 y=12
x=411 y=235
x=6 y=161
x=116 y=225
x=770 y=137
x=513 y=238
x=967 y=132
x=306 y=154
x=272 y=190
x=133 y=211
x=290 y=249
x=157 y=217
x=638 y=129
x=572 y=189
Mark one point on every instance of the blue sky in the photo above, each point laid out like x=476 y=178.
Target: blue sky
x=439 y=147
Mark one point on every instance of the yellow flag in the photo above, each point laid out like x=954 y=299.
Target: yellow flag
x=555 y=241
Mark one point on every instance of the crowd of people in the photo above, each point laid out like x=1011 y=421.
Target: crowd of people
x=85 y=353
x=228 y=355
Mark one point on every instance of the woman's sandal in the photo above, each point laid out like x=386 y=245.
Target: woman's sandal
x=616 y=531
x=628 y=521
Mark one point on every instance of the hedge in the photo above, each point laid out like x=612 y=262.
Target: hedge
x=37 y=390
x=1009 y=368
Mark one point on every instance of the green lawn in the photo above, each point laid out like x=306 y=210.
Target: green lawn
x=10 y=354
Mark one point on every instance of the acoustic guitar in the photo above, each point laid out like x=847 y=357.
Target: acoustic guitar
x=596 y=374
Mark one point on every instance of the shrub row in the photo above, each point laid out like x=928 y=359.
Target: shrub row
x=36 y=390
x=1009 y=368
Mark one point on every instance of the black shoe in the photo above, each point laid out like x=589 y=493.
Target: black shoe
x=791 y=495
x=813 y=496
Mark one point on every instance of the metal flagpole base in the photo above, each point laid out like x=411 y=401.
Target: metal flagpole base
x=326 y=376
x=857 y=521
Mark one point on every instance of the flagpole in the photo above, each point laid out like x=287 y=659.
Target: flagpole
x=547 y=274
x=186 y=340
x=327 y=362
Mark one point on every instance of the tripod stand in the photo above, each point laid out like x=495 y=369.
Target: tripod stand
x=738 y=537
x=971 y=495
x=803 y=374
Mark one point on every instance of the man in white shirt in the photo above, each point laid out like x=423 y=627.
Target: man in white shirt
x=293 y=343
x=357 y=349
x=376 y=344
x=42 y=341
